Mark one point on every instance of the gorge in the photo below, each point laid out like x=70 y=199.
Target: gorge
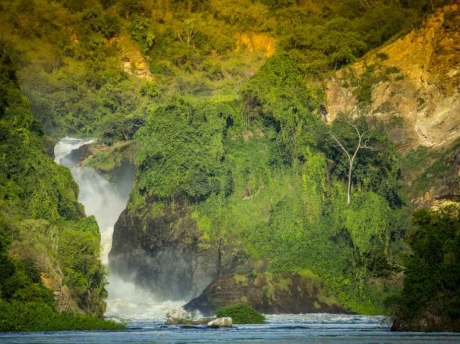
x=105 y=197
x=222 y=159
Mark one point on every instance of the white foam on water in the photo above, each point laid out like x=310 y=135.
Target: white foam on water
x=126 y=301
x=327 y=320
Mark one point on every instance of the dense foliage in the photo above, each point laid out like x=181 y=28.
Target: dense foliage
x=432 y=275
x=241 y=314
x=224 y=101
x=77 y=62
x=264 y=173
x=44 y=234
x=35 y=316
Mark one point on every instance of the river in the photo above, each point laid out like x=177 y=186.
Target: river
x=306 y=328
x=145 y=316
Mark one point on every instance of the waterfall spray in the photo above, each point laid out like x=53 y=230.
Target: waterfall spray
x=106 y=201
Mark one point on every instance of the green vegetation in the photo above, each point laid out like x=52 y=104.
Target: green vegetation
x=270 y=178
x=432 y=279
x=78 y=63
x=19 y=316
x=434 y=169
x=44 y=233
x=241 y=314
x=223 y=102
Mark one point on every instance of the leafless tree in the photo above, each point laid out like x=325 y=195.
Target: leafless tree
x=360 y=144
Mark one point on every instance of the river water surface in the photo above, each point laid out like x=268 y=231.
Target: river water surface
x=306 y=328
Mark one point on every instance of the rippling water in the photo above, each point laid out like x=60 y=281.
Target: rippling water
x=306 y=328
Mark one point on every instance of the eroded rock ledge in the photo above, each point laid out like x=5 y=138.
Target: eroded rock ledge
x=267 y=293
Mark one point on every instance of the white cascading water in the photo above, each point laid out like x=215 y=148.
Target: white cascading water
x=102 y=199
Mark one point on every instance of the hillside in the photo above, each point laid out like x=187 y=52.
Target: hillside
x=413 y=78
x=49 y=249
x=98 y=68
x=279 y=145
x=413 y=83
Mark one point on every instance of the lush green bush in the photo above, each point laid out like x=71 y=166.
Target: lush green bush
x=181 y=151
x=36 y=316
x=278 y=98
x=241 y=314
x=432 y=275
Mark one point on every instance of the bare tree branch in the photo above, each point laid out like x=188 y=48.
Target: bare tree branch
x=351 y=157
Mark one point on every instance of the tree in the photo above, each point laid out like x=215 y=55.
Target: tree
x=360 y=144
x=187 y=29
x=432 y=275
x=279 y=96
x=181 y=151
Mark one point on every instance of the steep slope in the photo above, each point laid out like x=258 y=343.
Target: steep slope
x=49 y=249
x=414 y=78
x=236 y=173
x=414 y=82
x=224 y=189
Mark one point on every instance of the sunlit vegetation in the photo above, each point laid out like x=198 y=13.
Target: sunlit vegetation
x=35 y=316
x=267 y=175
x=44 y=234
x=226 y=115
x=71 y=56
x=241 y=314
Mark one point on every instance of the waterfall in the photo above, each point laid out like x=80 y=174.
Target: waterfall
x=105 y=201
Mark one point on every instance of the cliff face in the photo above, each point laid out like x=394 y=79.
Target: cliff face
x=431 y=319
x=416 y=78
x=163 y=254
x=267 y=293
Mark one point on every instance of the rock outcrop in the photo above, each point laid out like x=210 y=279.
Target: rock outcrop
x=419 y=82
x=267 y=293
x=163 y=253
x=431 y=319
x=220 y=322
x=133 y=62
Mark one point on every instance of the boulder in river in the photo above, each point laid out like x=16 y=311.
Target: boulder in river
x=220 y=322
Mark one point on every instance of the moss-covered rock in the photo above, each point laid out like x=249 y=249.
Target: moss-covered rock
x=267 y=293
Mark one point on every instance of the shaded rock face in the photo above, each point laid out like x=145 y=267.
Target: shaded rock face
x=424 y=90
x=443 y=188
x=164 y=254
x=267 y=293
x=133 y=62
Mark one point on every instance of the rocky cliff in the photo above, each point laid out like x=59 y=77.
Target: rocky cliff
x=268 y=293
x=163 y=254
x=412 y=83
x=416 y=78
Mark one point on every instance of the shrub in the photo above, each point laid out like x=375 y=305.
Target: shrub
x=37 y=316
x=241 y=314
